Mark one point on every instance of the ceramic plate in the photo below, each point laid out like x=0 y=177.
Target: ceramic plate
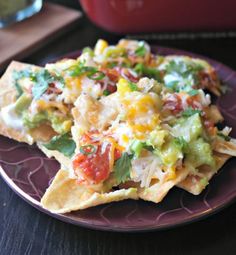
x=28 y=172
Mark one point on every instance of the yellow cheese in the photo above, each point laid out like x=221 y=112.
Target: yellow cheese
x=43 y=105
x=123 y=87
x=100 y=46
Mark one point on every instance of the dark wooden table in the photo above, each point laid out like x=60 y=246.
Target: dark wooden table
x=26 y=231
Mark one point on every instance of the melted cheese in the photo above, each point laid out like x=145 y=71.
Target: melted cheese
x=43 y=105
x=141 y=112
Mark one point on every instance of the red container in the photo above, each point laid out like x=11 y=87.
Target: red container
x=133 y=16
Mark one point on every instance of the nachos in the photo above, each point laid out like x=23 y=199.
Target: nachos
x=124 y=123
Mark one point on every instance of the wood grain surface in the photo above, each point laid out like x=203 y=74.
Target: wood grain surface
x=26 y=231
x=21 y=39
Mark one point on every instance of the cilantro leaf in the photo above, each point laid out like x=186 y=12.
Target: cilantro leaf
x=42 y=80
x=62 y=143
x=193 y=92
x=190 y=111
x=122 y=168
x=181 y=75
x=17 y=75
x=141 y=50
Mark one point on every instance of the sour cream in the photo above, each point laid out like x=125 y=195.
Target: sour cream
x=11 y=118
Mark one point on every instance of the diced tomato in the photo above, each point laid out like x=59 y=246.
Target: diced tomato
x=131 y=77
x=85 y=139
x=173 y=103
x=52 y=89
x=207 y=79
x=93 y=168
x=112 y=74
x=111 y=88
x=117 y=154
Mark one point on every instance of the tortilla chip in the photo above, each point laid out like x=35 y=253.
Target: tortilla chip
x=8 y=95
x=225 y=147
x=66 y=195
x=158 y=191
x=194 y=184
x=61 y=158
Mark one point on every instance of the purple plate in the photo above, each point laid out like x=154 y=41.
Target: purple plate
x=28 y=172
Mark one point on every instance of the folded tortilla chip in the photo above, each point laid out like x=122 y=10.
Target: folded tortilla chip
x=8 y=95
x=158 y=191
x=61 y=158
x=225 y=147
x=223 y=150
x=196 y=184
x=66 y=195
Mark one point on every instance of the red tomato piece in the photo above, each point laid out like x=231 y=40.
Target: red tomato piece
x=173 y=103
x=94 y=168
x=111 y=88
x=117 y=154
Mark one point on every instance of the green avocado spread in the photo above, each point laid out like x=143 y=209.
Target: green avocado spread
x=60 y=124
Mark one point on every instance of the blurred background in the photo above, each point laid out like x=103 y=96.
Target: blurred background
x=204 y=27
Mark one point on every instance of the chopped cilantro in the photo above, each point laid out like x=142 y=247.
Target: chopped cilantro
x=193 y=92
x=122 y=168
x=62 y=143
x=17 y=75
x=190 y=111
x=181 y=75
x=42 y=80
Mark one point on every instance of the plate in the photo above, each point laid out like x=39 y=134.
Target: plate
x=29 y=172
